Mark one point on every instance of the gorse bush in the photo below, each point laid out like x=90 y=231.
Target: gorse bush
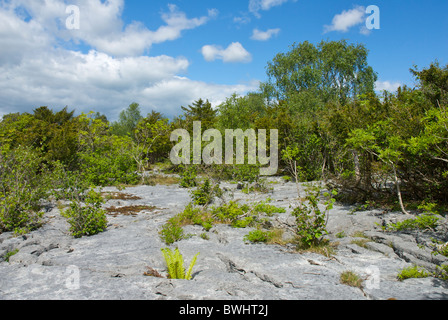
x=87 y=219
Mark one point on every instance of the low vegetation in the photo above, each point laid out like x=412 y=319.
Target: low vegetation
x=365 y=147
x=351 y=279
x=175 y=263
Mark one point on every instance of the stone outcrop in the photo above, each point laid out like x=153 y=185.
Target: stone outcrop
x=50 y=264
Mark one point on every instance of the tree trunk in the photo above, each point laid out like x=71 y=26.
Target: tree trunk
x=397 y=183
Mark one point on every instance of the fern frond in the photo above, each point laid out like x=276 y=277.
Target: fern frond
x=175 y=264
x=190 y=269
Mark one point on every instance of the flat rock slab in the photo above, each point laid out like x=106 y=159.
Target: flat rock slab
x=52 y=265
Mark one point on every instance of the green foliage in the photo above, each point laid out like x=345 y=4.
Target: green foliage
x=268 y=209
x=24 y=181
x=311 y=220
x=350 y=278
x=205 y=193
x=105 y=159
x=246 y=173
x=128 y=120
x=200 y=110
x=422 y=222
x=87 y=219
x=231 y=213
x=171 y=232
x=441 y=272
x=331 y=70
x=412 y=272
x=194 y=215
x=258 y=236
x=175 y=263
x=188 y=176
x=152 y=138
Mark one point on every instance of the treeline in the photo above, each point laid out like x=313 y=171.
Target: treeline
x=387 y=148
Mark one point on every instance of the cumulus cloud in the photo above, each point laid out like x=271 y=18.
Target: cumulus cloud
x=38 y=66
x=264 y=35
x=102 y=28
x=256 y=5
x=235 y=52
x=347 y=19
x=387 y=85
x=136 y=38
x=99 y=82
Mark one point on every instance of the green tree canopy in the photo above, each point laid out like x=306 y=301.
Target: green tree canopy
x=128 y=121
x=332 y=70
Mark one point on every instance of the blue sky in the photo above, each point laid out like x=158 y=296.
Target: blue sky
x=167 y=54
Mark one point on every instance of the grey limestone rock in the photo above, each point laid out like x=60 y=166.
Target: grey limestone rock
x=52 y=265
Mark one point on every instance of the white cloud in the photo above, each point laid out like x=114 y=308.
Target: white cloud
x=242 y=20
x=235 y=52
x=347 y=19
x=264 y=35
x=99 y=82
x=387 y=85
x=38 y=68
x=101 y=25
x=136 y=38
x=256 y=5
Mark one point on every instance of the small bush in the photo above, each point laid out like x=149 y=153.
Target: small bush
x=205 y=193
x=258 y=236
x=171 y=232
x=311 y=220
x=188 y=176
x=412 y=272
x=422 y=222
x=268 y=209
x=442 y=272
x=230 y=212
x=24 y=181
x=88 y=219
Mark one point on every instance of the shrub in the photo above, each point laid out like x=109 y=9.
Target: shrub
x=412 y=272
x=109 y=168
x=88 y=219
x=24 y=181
x=268 y=208
x=192 y=215
x=171 y=232
x=442 y=272
x=258 y=236
x=175 y=263
x=311 y=220
x=422 y=222
x=205 y=193
x=188 y=176
x=230 y=212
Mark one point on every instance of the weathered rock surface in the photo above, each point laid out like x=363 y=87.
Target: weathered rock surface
x=50 y=264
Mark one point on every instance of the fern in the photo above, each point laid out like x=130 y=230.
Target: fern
x=175 y=263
